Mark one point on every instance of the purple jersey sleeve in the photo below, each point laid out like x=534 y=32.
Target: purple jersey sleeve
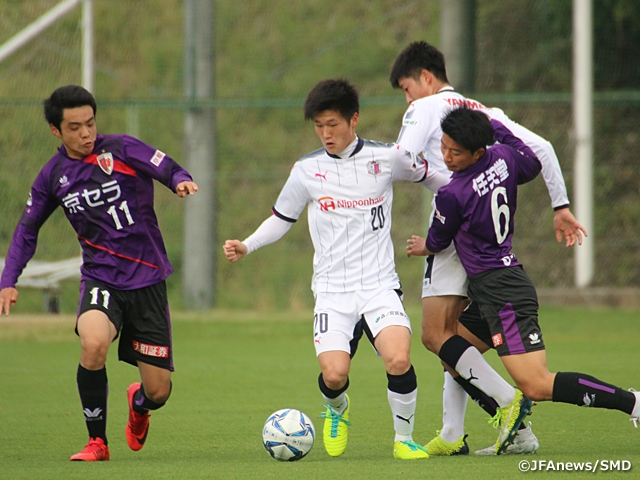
x=154 y=163
x=40 y=205
x=446 y=221
x=530 y=167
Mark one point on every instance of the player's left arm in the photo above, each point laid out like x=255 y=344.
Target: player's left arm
x=158 y=165
x=564 y=223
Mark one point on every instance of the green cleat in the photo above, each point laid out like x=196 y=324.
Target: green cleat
x=509 y=419
x=438 y=447
x=336 y=429
x=409 y=450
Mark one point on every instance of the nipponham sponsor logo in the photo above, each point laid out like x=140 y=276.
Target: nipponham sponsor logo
x=329 y=203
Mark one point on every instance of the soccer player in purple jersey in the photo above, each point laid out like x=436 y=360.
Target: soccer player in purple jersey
x=104 y=183
x=419 y=71
x=476 y=212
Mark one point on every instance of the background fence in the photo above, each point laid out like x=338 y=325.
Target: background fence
x=268 y=56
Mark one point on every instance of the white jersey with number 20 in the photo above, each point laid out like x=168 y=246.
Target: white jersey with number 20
x=349 y=202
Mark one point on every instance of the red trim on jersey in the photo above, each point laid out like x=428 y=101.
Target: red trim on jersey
x=126 y=257
x=118 y=166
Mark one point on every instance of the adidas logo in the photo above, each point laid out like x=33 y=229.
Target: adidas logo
x=92 y=415
x=534 y=338
x=64 y=181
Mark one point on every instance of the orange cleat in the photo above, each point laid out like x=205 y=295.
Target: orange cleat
x=138 y=425
x=95 y=451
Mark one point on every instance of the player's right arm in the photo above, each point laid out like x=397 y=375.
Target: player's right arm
x=291 y=201
x=271 y=230
x=39 y=208
x=8 y=298
x=419 y=124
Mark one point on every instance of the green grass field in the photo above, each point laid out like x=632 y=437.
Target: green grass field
x=235 y=368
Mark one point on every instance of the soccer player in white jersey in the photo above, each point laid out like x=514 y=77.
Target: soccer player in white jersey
x=347 y=189
x=419 y=71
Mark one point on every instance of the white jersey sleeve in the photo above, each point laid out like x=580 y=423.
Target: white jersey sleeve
x=293 y=197
x=412 y=167
x=271 y=230
x=419 y=124
x=551 y=171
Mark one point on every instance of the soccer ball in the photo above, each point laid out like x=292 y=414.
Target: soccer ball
x=288 y=435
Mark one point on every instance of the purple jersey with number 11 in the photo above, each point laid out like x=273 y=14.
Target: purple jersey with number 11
x=476 y=209
x=108 y=199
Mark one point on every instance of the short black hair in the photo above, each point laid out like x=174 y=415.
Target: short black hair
x=333 y=94
x=69 y=96
x=416 y=57
x=469 y=128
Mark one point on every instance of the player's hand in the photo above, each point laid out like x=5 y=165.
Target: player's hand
x=8 y=298
x=186 y=188
x=416 y=246
x=234 y=250
x=564 y=223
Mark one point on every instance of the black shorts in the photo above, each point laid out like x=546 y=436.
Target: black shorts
x=141 y=318
x=504 y=311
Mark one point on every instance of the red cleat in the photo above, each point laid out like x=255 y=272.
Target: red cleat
x=95 y=451
x=138 y=425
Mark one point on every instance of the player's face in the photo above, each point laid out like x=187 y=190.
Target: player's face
x=77 y=131
x=335 y=131
x=416 y=89
x=456 y=157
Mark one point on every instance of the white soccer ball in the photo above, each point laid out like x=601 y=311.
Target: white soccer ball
x=288 y=435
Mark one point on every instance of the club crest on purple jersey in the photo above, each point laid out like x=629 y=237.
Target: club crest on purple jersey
x=105 y=162
x=373 y=167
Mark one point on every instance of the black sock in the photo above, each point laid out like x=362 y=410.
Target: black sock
x=405 y=383
x=587 y=391
x=142 y=404
x=92 y=386
x=452 y=350
x=327 y=392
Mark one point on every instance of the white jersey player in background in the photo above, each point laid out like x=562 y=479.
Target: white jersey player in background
x=347 y=189
x=419 y=71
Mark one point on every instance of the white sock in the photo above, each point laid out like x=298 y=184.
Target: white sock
x=403 y=408
x=454 y=404
x=338 y=404
x=474 y=368
x=636 y=407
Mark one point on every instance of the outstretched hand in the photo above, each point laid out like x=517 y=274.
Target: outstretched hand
x=186 y=188
x=564 y=223
x=8 y=298
x=234 y=250
x=416 y=246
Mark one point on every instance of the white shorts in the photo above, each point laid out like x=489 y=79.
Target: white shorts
x=336 y=316
x=444 y=274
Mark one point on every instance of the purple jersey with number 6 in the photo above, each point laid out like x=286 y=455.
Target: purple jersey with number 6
x=476 y=208
x=108 y=199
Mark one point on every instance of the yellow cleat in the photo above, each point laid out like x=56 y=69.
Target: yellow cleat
x=336 y=429
x=409 y=450
x=438 y=447
x=509 y=419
